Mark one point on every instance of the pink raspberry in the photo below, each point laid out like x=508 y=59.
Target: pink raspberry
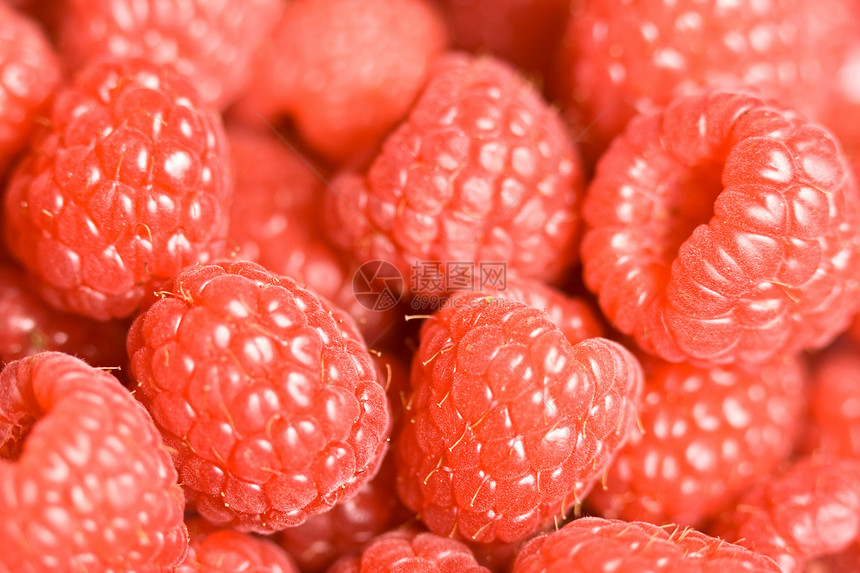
x=211 y=43
x=29 y=72
x=213 y=550
x=704 y=435
x=834 y=403
x=508 y=424
x=86 y=484
x=345 y=71
x=130 y=183
x=810 y=510
x=593 y=544
x=482 y=170
x=409 y=551
x=723 y=229
x=266 y=394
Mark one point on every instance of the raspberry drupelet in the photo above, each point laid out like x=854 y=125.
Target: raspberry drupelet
x=723 y=229
x=214 y=550
x=130 y=182
x=265 y=392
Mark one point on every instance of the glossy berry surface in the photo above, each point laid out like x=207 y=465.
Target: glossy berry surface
x=508 y=425
x=266 y=394
x=129 y=183
x=210 y=43
x=723 y=229
x=29 y=72
x=482 y=170
x=408 y=551
x=704 y=435
x=592 y=544
x=213 y=550
x=834 y=404
x=85 y=482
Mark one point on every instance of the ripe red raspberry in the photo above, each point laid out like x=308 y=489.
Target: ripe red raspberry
x=345 y=71
x=621 y=59
x=704 y=436
x=348 y=526
x=812 y=509
x=834 y=404
x=29 y=326
x=594 y=544
x=265 y=392
x=28 y=74
x=409 y=551
x=482 y=170
x=724 y=229
x=508 y=425
x=211 y=43
x=86 y=484
x=129 y=183
x=213 y=550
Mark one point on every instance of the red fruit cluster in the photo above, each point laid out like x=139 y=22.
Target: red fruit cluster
x=494 y=286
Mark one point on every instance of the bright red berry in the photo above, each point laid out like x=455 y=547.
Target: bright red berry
x=482 y=170
x=211 y=43
x=704 y=435
x=213 y=550
x=834 y=404
x=409 y=551
x=508 y=424
x=621 y=59
x=86 y=484
x=265 y=392
x=346 y=71
x=128 y=184
x=593 y=544
x=724 y=229
x=29 y=72
x=811 y=509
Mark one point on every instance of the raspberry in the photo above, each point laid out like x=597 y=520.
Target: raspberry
x=409 y=551
x=346 y=80
x=213 y=550
x=482 y=170
x=594 y=544
x=210 y=43
x=834 y=404
x=28 y=74
x=508 y=425
x=29 y=326
x=87 y=484
x=811 y=510
x=622 y=59
x=723 y=229
x=704 y=436
x=266 y=394
x=129 y=183
x=348 y=526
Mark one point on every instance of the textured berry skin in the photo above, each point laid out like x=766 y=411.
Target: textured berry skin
x=129 y=183
x=86 y=484
x=29 y=326
x=482 y=170
x=704 y=435
x=210 y=43
x=266 y=393
x=348 y=526
x=812 y=509
x=723 y=229
x=213 y=550
x=834 y=404
x=622 y=59
x=346 y=81
x=29 y=72
x=508 y=425
x=592 y=545
x=408 y=551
